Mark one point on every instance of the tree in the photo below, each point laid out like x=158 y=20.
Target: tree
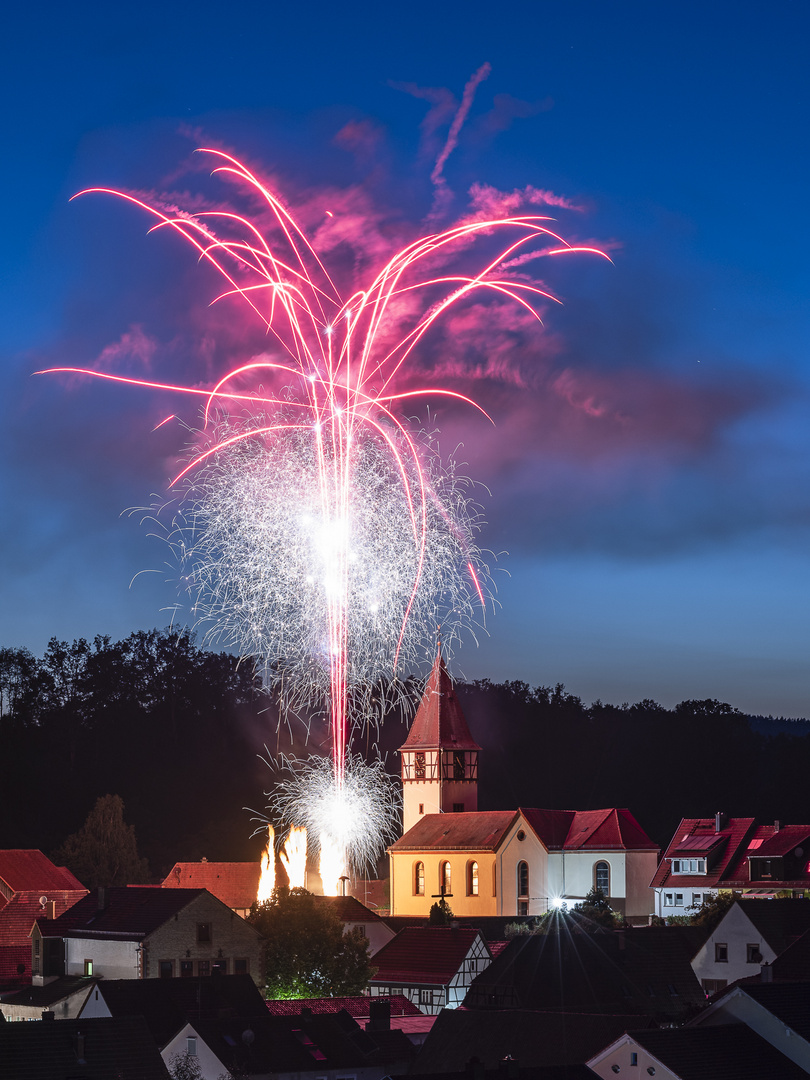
x=595 y=913
x=440 y=913
x=104 y=851
x=306 y=953
x=712 y=910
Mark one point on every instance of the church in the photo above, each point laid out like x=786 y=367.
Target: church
x=501 y=862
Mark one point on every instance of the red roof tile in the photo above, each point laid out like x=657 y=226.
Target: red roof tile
x=439 y=720
x=354 y=1006
x=736 y=834
x=27 y=870
x=235 y=884
x=784 y=841
x=430 y=956
x=17 y=919
x=598 y=830
x=476 y=830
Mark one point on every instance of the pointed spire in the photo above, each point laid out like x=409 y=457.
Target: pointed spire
x=439 y=722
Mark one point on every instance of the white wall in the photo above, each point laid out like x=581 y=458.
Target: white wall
x=736 y=931
x=111 y=959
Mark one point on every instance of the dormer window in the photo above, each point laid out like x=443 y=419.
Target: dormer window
x=688 y=866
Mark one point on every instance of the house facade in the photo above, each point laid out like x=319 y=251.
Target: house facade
x=146 y=933
x=722 y=854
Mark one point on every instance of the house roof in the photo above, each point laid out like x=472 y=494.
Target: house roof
x=580 y=830
x=530 y=1038
x=645 y=971
x=784 y=841
x=236 y=884
x=780 y=922
x=730 y=843
x=721 y=1052
x=789 y=1002
x=168 y=1004
x=51 y=1050
x=348 y=909
x=439 y=721
x=354 y=1006
x=429 y=956
x=16 y=920
x=477 y=830
x=130 y=913
x=42 y=997
x=28 y=870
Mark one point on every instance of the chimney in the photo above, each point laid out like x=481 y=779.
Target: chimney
x=80 y=1048
x=719 y=821
x=48 y=1015
x=50 y=909
x=777 y=825
x=765 y=973
x=475 y=1068
x=379 y=1015
x=509 y=1068
x=103 y=898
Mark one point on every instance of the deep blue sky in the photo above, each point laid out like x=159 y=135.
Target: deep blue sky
x=659 y=539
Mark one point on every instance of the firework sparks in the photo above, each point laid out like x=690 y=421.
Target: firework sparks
x=267 y=875
x=317 y=533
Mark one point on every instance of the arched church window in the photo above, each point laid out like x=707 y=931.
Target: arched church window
x=419 y=879
x=602 y=878
x=523 y=888
x=472 y=878
x=445 y=880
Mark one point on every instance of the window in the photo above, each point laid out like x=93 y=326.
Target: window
x=720 y=952
x=191 y=1045
x=458 y=807
x=419 y=879
x=241 y=965
x=678 y=899
x=523 y=888
x=445 y=879
x=472 y=879
x=204 y=933
x=688 y=866
x=458 y=765
x=186 y=969
x=166 y=969
x=425 y=997
x=752 y=954
x=421 y=808
x=711 y=986
x=697 y=899
x=88 y=967
x=204 y=967
x=668 y=901
x=602 y=878
x=419 y=766
x=219 y=967
x=634 y=1059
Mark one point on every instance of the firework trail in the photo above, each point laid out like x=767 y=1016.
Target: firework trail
x=317 y=531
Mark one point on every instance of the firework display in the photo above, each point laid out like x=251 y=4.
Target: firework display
x=318 y=532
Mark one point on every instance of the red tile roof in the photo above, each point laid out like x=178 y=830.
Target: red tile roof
x=439 y=720
x=598 y=830
x=236 y=884
x=473 y=831
x=130 y=914
x=16 y=920
x=736 y=834
x=27 y=870
x=784 y=841
x=354 y=1006
x=428 y=956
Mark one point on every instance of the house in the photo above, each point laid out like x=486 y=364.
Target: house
x=61 y=999
x=750 y=933
x=645 y=972
x=501 y=862
x=732 y=1050
x=30 y=887
x=86 y=1049
x=432 y=966
x=778 y=1012
x=526 y=1037
x=372 y=1013
x=710 y=855
x=146 y=932
x=355 y=915
x=235 y=884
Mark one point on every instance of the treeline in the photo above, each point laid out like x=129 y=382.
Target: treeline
x=179 y=733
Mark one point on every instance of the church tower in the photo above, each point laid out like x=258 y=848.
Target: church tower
x=439 y=757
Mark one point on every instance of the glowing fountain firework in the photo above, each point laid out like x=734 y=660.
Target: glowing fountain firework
x=319 y=533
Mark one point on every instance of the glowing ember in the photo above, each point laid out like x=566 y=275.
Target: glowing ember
x=332 y=866
x=294 y=857
x=267 y=876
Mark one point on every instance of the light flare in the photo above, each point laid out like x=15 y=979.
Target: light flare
x=267 y=874
x=293 y=857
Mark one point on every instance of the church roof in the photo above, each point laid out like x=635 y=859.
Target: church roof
x=439 y=721
x=477 y=830
x=574 y=830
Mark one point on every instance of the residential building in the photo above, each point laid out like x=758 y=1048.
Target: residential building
x=355 y=915
x=31 y=887
x=711 y=855
x=145 y=932
x=751 y=933
x=432 y=966
x=733 y=1050
x=235 y=884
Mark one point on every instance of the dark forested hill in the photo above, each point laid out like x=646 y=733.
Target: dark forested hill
x=178 y=732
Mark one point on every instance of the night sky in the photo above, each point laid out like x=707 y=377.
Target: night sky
x=649 y=468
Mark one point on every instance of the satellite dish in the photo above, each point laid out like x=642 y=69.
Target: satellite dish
x=248 y=1037
x=799 y=852
x=43 y=900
